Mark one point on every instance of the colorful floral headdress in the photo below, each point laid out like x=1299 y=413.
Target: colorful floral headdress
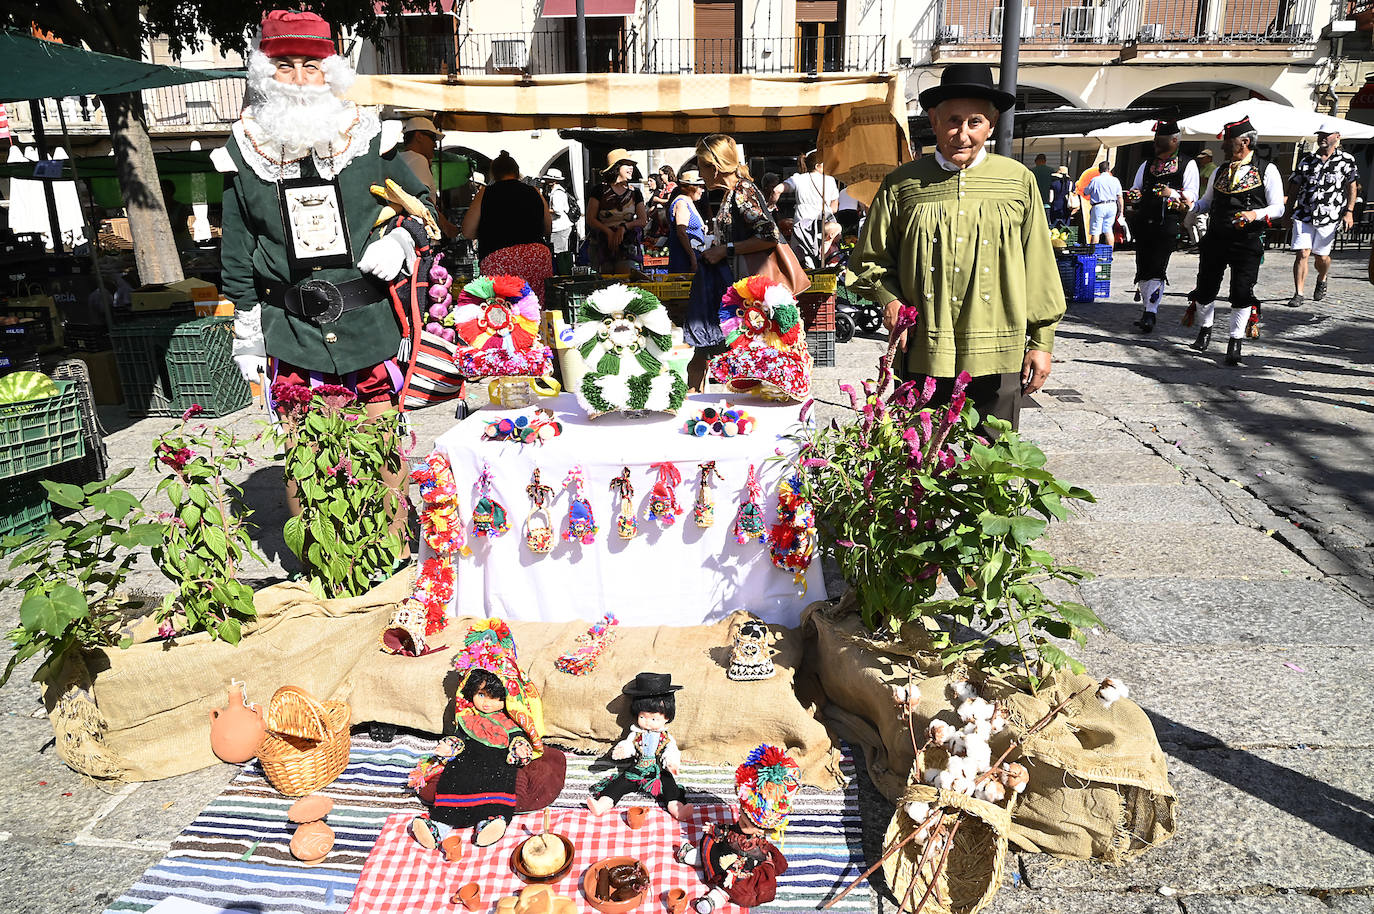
x=765 y=786
x=624 y=335
x=765 y=340
x=489 y=646
x=497 y=321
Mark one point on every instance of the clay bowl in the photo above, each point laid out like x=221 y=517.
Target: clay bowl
x=518 y=865
x=613 y=907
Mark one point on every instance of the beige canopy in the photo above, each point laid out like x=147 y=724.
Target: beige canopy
x=860 y=118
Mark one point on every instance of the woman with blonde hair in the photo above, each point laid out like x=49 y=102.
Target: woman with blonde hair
x=743 y=227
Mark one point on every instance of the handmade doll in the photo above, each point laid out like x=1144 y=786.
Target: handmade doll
x=496 y=764
x=739 y=861
x=650 y=749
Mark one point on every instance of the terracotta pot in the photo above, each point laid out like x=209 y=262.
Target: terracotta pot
x=676 y=900
x=470 y=896
x=312 y=842
x=636 y=815
x=236 y=731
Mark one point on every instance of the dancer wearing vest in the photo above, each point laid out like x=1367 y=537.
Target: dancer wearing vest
x=1243 y=196
x=1167 y=188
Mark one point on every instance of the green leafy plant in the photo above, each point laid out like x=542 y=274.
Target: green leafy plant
x=907 y=495
x=207 y=536
x=75 y=573
x=339 y=459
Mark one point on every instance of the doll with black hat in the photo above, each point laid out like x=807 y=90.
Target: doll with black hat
x=648 y=747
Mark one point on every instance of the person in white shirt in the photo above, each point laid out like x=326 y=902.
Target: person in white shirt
x=1165 y=188
x=814 y=227
x=1104 y=193
x=421 y=138
x=1243 y=197
x=560 y=231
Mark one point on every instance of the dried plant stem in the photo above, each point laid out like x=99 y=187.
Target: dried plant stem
x=1039 y=725
x=920 y=864
x=939 y=867
x=892 y=849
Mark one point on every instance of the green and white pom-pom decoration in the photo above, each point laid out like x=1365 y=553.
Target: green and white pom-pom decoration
x=624 y=336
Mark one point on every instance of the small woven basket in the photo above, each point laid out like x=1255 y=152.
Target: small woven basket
x=307 y=743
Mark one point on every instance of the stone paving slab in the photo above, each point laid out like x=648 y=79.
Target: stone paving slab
x=1150 y=504
x=1248 y=821
x=1011 y=900
x=43 y=799
x=1126 y=550
x=145 y=814
x=1087 y=470
x=1278 y=904
x=1189 y=611
x=1055 y=441
x=45 y=877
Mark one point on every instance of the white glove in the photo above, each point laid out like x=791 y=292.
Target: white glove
x=389 y=256
x=250 y=351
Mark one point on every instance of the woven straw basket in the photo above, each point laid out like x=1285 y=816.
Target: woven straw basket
x=307 y=742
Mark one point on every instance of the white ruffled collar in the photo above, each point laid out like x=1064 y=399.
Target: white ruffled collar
x=265 y=156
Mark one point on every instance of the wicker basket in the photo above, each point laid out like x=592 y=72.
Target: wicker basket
x=307 y=742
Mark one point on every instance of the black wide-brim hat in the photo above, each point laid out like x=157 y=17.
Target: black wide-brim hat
x=966 y=80
x=647 y=684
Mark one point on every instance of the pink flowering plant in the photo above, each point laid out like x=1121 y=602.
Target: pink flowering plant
x=339 y=459
x=909 y=495
x=207 y=534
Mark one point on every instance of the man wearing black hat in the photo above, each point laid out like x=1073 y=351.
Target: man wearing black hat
x=1167 y=188
x=961 y=236
x=1243 y=196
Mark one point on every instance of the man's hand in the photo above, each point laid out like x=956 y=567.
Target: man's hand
x=1348 y=220
x=1035 y=368
x=890 y=319
x=715 y=253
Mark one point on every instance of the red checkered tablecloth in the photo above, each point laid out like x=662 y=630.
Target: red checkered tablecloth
x=401 y=877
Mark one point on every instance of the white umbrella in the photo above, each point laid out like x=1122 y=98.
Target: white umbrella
x=1273 y=122
x=1125 y=134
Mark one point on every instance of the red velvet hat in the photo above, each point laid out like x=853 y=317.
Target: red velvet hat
x=291 y=33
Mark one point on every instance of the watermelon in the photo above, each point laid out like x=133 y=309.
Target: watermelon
x=26 y=385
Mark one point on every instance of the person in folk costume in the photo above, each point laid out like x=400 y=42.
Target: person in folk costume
x=496 y=764
x=302 y=259
x=1168 y=188
x=1244 y=195
x=739 y=861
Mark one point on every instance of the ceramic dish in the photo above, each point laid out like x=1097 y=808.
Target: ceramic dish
x=613 y=907
x=518 y=865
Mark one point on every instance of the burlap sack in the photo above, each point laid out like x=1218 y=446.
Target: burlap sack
x=718 y=721
x=1099 y=784
x=972 y=870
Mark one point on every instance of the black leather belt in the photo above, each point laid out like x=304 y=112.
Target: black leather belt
x=323 y=302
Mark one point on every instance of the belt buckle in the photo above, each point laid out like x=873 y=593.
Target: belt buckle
x=321 y=301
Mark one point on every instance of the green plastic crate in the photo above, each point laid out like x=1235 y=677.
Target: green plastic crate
x=167 y=364
x=37 y=434
x=24 y=509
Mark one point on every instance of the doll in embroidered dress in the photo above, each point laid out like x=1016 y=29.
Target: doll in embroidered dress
x=496 y=765
x=651 y=750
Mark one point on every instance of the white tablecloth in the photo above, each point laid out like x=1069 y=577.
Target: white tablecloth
x=678 y=575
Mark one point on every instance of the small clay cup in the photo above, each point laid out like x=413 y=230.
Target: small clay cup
x=676 y=900
x=635 y=816
x=470 y=895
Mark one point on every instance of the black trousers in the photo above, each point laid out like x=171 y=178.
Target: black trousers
x=1224 y=247
x=620 y=786
x=992 y=394
x=1155 y=243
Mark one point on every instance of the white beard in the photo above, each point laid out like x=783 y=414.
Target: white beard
x=300 y=117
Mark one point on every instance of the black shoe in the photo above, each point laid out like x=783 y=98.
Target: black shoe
x=1233 y=352
x=1204 y=339
x=1297 y=299
x=1320 y=292
x=380 y=732
x=1146 y=322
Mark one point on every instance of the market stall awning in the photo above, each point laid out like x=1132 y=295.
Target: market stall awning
x=43 y=69
x=1067 y=122
x=1275 y=123
x=860 y=119
x=560 y=9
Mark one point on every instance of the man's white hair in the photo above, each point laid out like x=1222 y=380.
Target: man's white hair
x=339 y=74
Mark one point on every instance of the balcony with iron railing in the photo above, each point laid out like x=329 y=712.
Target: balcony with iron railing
x=1103 y=28
x=194 y=108
x=553 y=52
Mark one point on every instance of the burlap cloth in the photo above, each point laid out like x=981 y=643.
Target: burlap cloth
x=1099 y=785
x=143 y=713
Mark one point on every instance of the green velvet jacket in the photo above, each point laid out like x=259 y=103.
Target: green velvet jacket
x=253 y=258
x=971 y=251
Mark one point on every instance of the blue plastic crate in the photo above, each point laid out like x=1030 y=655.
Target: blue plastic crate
x=1102 y=288
x=1103 y=252
x=1068 y=266
x=1085 y=278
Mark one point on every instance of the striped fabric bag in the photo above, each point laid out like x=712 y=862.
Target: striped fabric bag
x=431 y=376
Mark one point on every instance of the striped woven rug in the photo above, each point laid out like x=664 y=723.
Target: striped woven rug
x=234 y=855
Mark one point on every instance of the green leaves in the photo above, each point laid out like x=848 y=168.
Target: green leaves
x=52 y=612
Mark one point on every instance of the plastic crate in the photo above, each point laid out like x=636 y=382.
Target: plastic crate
x=668 y=289
x=88 y=337
x=821 y=345
x=168 y=364
x=817 y=310
x=1103 y=252
x=1068 y=267
x=1085 y=278
x=37 y=434
x=24 y=332
x=823 y=281
x=95 y=463
x=1102 y=288
x=24 y=509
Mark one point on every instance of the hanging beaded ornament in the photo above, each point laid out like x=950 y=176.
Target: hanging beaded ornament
x=663 y=506
x=488 y=515
x=749 y=523
x=539 y=536
x=582 y=660
x=792 y=541
x=704 y=508
x=624 y=490
x=581 y=524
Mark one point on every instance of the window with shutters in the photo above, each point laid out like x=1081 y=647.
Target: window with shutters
x=820 y=36
x=715 y=36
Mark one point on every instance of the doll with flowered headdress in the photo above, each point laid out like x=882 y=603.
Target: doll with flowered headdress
x=496 y=764
x=739 y=862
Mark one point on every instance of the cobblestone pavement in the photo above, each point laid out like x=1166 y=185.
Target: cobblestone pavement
x=1230 y=539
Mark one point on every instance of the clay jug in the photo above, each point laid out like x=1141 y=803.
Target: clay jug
x=237 y=731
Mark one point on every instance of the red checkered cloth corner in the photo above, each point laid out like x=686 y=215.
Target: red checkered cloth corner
x=401 y=877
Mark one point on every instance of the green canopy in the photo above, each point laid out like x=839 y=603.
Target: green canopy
x=43 y=69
